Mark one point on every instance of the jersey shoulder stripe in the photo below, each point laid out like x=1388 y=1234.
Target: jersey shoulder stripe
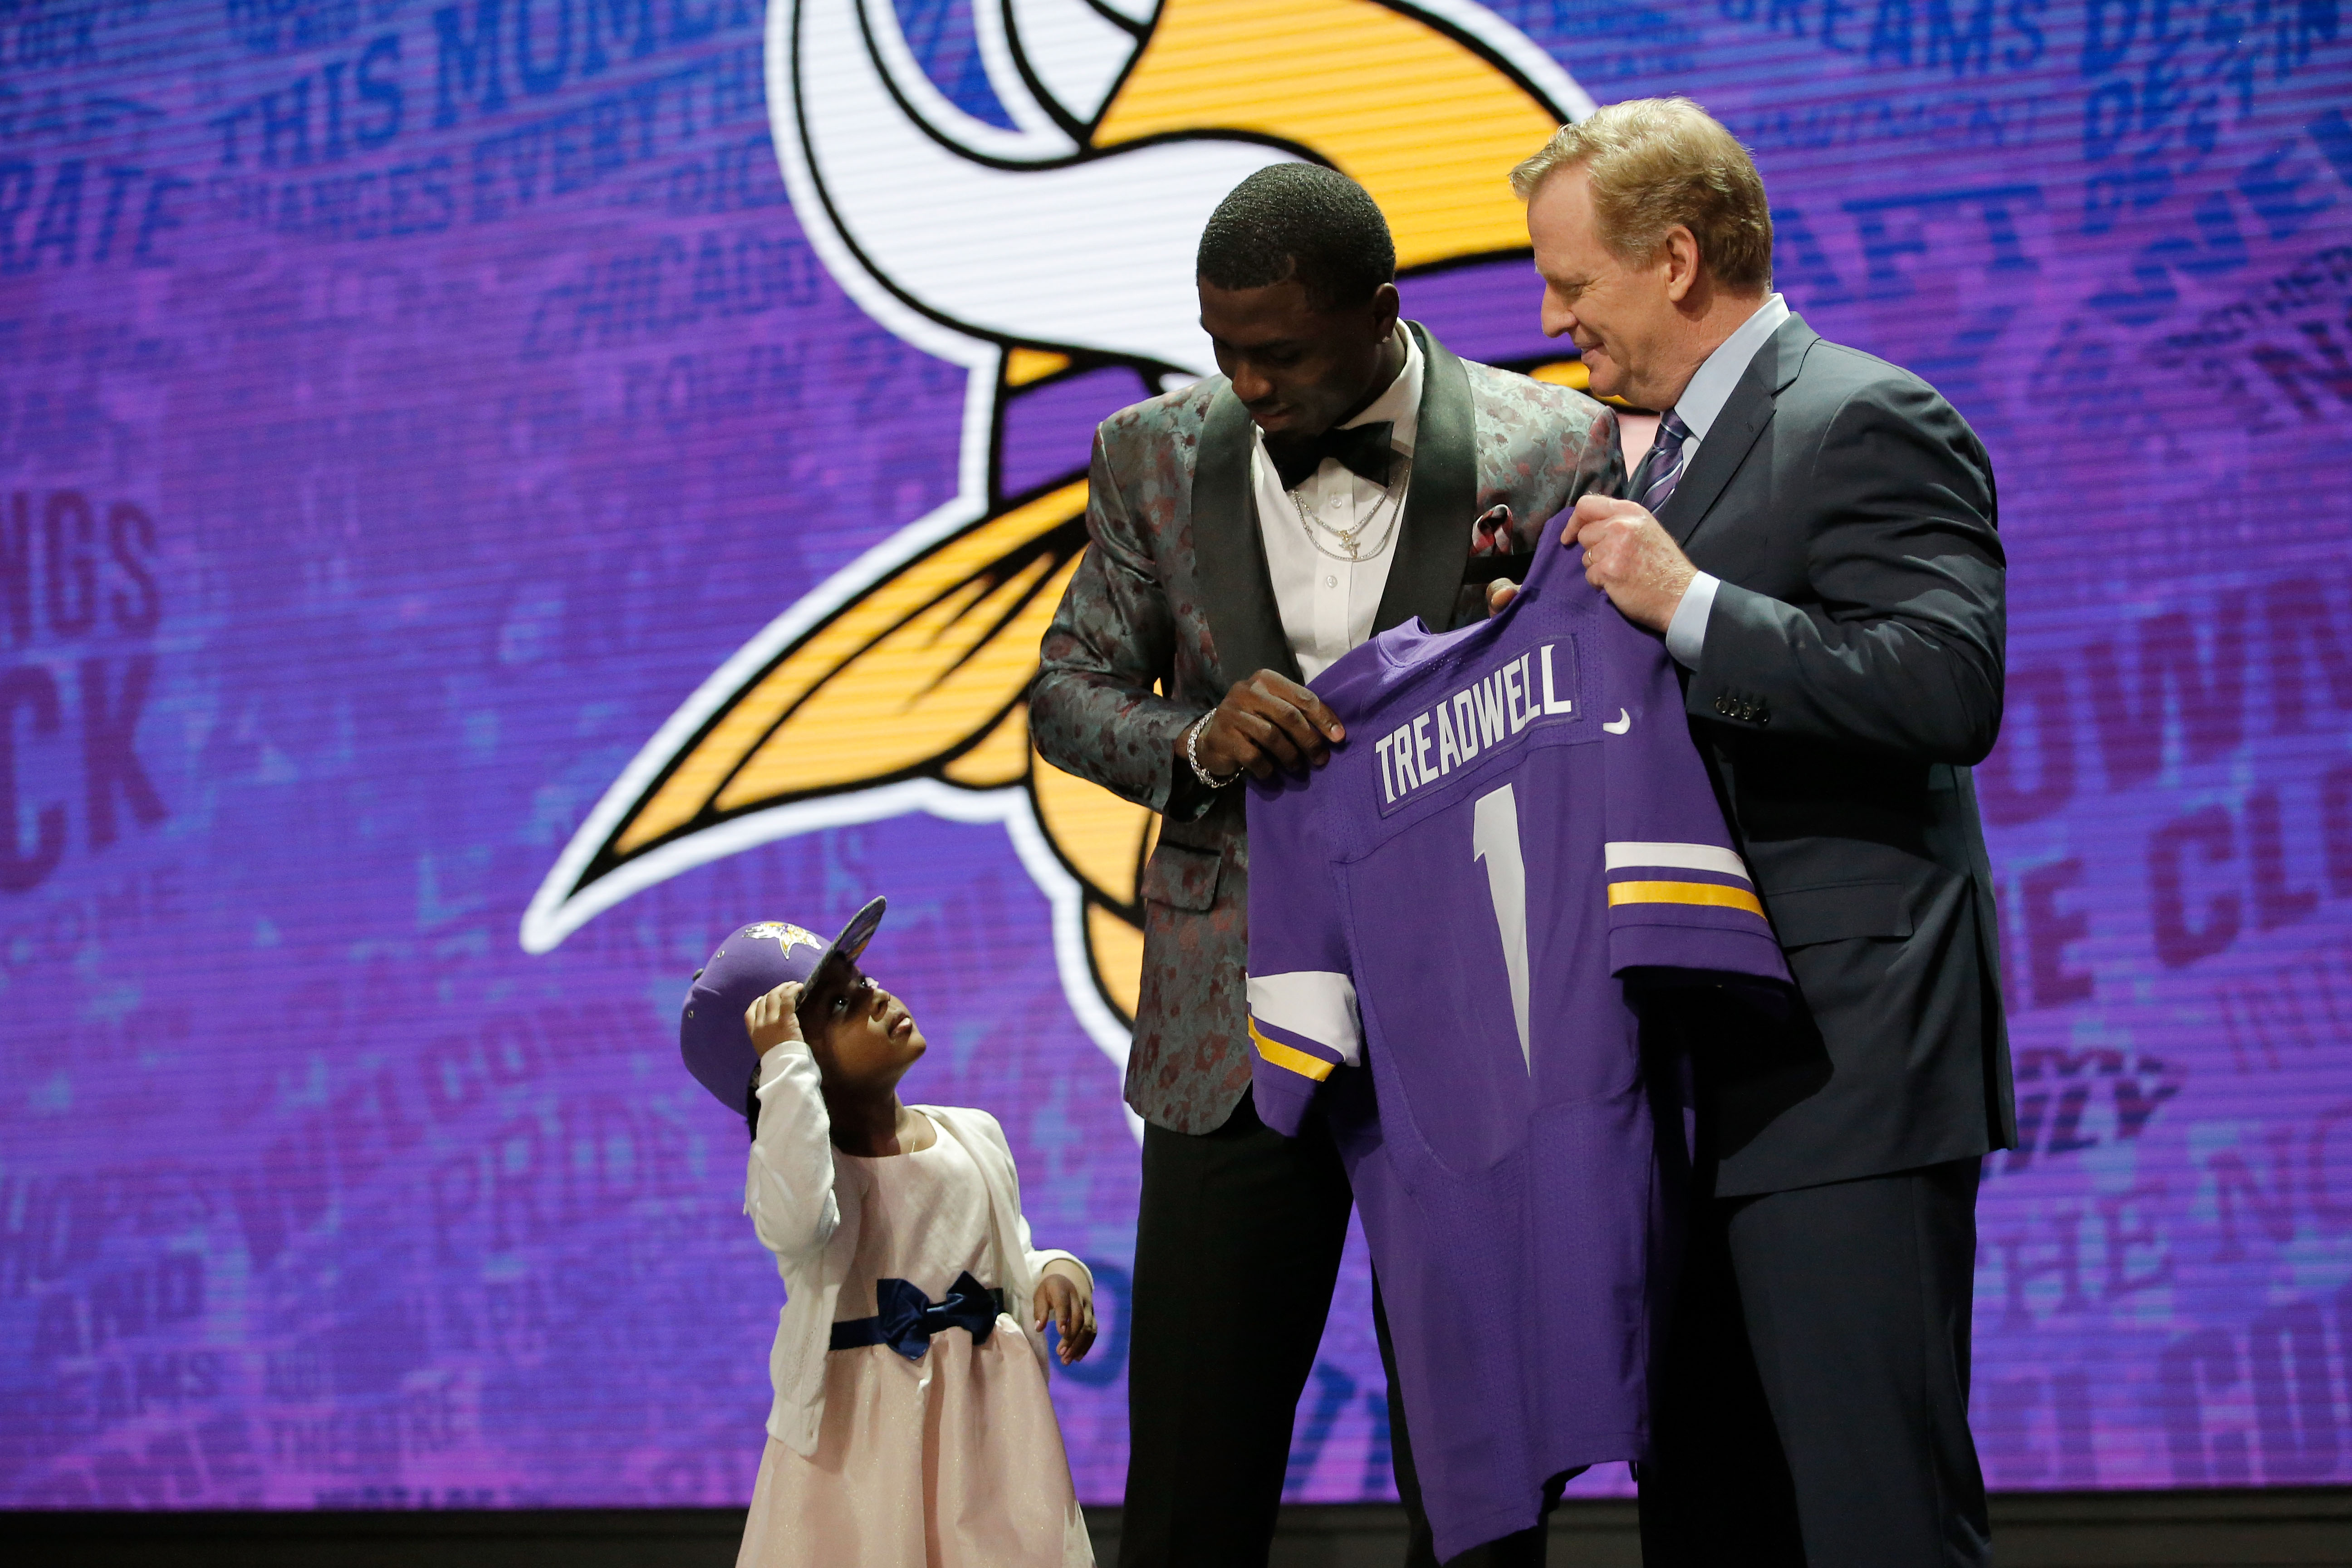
x=1281 y=1054
x=1628 y=856
x=1708 y=894
x=1313 y=1006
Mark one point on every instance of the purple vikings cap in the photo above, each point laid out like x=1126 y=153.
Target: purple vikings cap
x=747 y=967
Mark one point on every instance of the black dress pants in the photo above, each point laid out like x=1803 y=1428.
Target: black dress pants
x=1809 y=1407
x=1237 y=1249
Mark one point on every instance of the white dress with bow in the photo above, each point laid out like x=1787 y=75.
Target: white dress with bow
x=951 y=1458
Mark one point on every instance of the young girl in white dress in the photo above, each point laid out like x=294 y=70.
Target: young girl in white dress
x=911 y=1424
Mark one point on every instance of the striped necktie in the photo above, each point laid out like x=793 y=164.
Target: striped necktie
x=1662 y=464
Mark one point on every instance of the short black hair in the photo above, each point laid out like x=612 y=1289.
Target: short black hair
x=1301 y=221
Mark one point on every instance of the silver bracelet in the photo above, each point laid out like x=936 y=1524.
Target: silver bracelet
x=1193 y=755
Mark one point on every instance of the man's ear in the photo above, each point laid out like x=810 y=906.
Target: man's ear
x=1680 y=250
x=1386 y=307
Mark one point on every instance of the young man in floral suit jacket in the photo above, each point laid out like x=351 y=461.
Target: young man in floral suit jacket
x=1344 y=474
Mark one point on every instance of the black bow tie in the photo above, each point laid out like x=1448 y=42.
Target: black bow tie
x=1361 y=449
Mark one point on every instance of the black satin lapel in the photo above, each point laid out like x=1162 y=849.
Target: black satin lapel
x=1229 y=555
x=1744 y=415
x=1433 y=545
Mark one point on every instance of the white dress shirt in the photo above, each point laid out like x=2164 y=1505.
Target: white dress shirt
x=1326 y=604
x=1700 y=405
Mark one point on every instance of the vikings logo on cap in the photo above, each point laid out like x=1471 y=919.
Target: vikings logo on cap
x=791 y=936
x=1074 y=206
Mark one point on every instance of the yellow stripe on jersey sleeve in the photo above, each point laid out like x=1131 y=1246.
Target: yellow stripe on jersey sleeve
x=1708 y=893
x=1290 y=1057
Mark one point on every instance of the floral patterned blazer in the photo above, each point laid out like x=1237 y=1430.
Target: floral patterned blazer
x=1172 y=605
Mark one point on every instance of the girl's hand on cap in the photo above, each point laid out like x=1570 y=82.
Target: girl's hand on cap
x=773 y=1020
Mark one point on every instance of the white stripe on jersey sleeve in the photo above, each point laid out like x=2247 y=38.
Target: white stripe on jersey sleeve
x=1686 y=857
x=1318 y=1003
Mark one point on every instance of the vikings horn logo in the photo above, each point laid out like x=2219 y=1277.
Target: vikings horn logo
x=1052 y=257
x=787 y=936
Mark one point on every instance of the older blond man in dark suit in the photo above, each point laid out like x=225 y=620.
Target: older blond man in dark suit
x=1813 y=535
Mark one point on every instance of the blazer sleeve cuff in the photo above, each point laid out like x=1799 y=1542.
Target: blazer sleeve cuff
x=1187 y=799
x=1729 y=669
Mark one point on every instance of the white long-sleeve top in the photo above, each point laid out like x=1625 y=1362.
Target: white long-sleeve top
x=805 y=1204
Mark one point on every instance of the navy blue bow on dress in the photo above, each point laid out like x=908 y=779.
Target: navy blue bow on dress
x=905 y=1319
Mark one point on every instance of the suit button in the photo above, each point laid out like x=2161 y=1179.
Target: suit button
x=1722 y=707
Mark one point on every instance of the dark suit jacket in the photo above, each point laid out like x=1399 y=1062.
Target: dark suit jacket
x=1851 y=676
x=1172 y=604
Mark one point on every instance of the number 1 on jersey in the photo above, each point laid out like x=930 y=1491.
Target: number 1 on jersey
x=1494 y=839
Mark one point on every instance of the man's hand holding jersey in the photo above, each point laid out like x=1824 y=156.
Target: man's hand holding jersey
x=1266 y=723
x=1628 y=555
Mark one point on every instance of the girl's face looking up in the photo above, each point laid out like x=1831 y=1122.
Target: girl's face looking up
x=863 y=1037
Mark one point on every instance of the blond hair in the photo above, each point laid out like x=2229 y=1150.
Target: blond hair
x=1655 y=163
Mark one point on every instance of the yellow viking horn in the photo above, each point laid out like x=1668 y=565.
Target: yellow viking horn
x=1426 y=123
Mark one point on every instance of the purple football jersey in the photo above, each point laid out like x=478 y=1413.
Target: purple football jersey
x=1445 y=923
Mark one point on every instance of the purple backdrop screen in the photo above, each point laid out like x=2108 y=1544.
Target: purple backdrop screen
x=425 y=427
